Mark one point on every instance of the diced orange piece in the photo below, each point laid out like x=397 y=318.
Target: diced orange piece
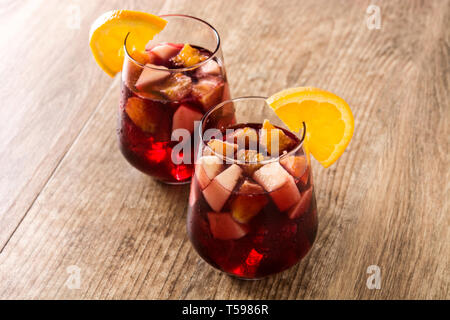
x=222 y=147
x=176 y=87
x=271 y=137
x=250 y=201
x=149 y=117
x=249 y=160
x=189 y=56
x=135 y=109
x=140 y=56
x=246 y=138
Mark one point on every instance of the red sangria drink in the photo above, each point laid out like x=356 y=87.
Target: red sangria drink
x=252 y=210
x=166 y=88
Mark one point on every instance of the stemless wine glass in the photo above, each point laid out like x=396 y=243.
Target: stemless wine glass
x=178 y=78
x=250 y=216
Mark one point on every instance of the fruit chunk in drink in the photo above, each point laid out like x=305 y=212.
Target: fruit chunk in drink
x=256 y=216
x=159 y=96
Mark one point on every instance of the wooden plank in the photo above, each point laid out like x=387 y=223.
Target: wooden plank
x=47 y=94
x=384 y=203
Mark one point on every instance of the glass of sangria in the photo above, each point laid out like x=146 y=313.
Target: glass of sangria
x=169 y=86
x=252 y=209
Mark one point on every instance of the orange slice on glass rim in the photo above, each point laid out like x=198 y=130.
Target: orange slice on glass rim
x=108 y=33
x=329 y=120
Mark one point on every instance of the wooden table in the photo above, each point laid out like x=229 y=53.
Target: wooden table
x=68 y=197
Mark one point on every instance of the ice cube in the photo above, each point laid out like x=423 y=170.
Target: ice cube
x=176 y=87
x=302 y=206
x=209 y=68
x=279 y=183
x=184 y=118
x=149 y=77
x=206 y=169
x=297 y=166
x=250 y=200
x=188 y=57
x=223 y=148
x=220 y=188
x=223 y=227
x=246 y=138
x=274 y=140
x=208 y=91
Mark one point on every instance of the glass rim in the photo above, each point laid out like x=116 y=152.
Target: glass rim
x=195 y=66
x=236 y=161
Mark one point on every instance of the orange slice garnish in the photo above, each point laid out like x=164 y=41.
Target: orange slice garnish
x=108 y=33
x=329 y=120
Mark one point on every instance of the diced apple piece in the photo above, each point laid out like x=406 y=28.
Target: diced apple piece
x=223 y=148
x=220 y=188
x=279 y=183
x=185 y=117
x=150 y=77
x=206 y=169
x=297 y=166
x=208 y=92
x=270 y=137
x=246 y=138
x=224 y=227
x=165 y=51
x=150 y=45
x=249 y=160
x=210 y=68
x=228 y=178
x=302 y=206
x=176 y=87
x=249 y=202
x=188 y=57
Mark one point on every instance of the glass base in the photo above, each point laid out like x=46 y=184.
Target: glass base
x=172 y=183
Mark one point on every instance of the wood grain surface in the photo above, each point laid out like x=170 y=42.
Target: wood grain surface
x=68 y=197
